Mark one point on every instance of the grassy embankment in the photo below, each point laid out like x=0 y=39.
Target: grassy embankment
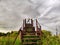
x=46 y=39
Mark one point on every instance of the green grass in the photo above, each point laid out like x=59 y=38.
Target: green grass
x=9 y=41
x=46 y=39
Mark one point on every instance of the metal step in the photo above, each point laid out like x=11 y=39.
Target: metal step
x=31 y=38
x=31 y=42
x=30 y=35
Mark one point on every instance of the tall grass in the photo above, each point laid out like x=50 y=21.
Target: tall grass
x=46 y=39
x=9 y=41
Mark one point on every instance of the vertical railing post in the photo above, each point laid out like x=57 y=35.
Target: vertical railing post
x=32 y=22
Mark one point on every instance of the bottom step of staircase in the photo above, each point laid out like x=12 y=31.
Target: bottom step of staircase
x=31 y=42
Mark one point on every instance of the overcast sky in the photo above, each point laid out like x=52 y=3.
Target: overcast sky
x=12 y=12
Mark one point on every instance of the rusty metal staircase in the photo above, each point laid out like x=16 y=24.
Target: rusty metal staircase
x=28 y=35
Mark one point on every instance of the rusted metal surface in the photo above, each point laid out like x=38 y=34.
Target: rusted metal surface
x=29 y=29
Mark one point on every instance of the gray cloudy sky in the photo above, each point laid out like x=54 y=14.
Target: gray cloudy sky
x=12 y=12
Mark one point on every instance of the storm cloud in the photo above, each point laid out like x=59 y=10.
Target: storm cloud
x=12 y=12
